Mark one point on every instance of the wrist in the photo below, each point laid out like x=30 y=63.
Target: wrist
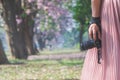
x=97 y=21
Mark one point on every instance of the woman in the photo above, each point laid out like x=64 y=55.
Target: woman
x=108 y=11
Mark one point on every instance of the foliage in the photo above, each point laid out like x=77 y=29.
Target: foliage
x=49 y=11
x=81 y=13
x=42 y=70
x=81 y=10
x=53 y=16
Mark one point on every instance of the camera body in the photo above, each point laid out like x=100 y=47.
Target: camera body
x=90 y=44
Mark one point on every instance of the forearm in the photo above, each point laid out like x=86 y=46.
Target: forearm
x=96 y=5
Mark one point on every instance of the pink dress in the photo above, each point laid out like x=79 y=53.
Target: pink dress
x=109 y=69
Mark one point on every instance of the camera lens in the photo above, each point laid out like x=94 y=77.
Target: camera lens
x=87 y=45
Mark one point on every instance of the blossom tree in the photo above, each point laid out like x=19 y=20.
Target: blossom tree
x=20 y=17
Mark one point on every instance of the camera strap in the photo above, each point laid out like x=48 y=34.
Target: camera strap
x=99 y=55
x=97 y=21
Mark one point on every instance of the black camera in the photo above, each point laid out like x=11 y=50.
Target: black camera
x=90 y=44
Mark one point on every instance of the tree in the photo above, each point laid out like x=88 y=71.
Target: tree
x=19 y=16
x=27 y=24
x=16 y=39
x=81 y=13
x=53 y=16
x=3 y=58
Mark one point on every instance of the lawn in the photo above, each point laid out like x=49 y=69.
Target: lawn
x=60 y=51
x=41 y=70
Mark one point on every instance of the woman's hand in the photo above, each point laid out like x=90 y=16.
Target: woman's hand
x=93 y=31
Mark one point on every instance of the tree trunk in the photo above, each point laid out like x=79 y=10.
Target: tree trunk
x=17 y=42
x=81 y=33
x=3 y=58
x=28 y=31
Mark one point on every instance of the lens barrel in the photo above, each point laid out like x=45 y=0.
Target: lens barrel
x=87 y=45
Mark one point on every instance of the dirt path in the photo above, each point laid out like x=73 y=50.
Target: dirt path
x=58 y=56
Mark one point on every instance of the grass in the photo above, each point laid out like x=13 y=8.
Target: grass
x=41 y=70
x=60 y=51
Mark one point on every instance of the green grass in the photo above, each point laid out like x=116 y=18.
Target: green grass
x=60 y=51
x=41 y=70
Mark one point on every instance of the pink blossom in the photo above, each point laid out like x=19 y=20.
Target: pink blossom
x=28 y=11
x=19 y=21
x=30 y=1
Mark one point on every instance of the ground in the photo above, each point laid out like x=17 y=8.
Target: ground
x=58 y=56
x=44 y=67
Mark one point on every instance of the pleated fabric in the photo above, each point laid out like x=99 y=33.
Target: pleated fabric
x=109 y=69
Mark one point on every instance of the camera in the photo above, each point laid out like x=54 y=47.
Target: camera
x=90 y=44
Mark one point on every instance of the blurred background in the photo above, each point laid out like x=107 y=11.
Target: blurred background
x=41 y=38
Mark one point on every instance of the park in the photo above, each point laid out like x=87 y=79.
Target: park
x=40 y=39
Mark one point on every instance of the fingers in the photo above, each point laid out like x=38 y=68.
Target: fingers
x=90 y=32
x=94 y=32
